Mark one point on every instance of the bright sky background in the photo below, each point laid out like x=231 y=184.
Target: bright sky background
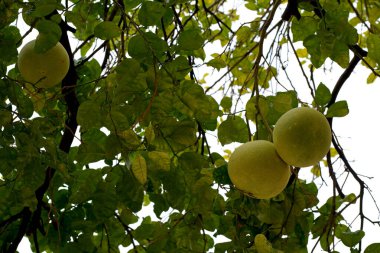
x=358 y=132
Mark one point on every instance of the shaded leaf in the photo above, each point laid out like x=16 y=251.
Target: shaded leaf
x=190 y=40
x=145 y=46
x=233 y=129
x=9 y=36
x=89 y=115
x=150 y=13
x=106 y=30
x=49 y=35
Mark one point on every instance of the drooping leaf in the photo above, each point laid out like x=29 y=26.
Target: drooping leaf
x=146 y=46
x=190 y=40
x=150 y=13
x=84 y=185
x=226 y=103
x=9 y=36
x=139 y=169
x=89 y=115
x=106 y=30
x=49 y=35
x=233 y=129
x=350 y=239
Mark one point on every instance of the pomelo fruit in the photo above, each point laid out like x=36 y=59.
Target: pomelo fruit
x=45 y=70
x=302 y=136
x=256 y=169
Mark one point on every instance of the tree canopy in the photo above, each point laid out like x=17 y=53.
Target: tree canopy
x=157 y=95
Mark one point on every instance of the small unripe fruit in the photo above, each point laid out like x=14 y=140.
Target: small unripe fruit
x=46 y=69
x=256 y=169
x=302 y=137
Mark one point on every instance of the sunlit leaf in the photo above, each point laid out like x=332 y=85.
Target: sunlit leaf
x=322 y=95
x=139 y=169
x=373 y=42
x=338 y=109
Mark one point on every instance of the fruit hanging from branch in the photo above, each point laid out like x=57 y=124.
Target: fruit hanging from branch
x=46 y=69
x=256 y=169
x=302 y=137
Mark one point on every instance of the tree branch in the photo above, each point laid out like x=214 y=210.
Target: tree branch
x=30 y=222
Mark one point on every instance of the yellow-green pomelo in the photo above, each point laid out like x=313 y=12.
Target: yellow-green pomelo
x=256 y=169
x=43 y=69
x=302 y=137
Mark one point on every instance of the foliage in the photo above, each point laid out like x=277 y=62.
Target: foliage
x=147 y=120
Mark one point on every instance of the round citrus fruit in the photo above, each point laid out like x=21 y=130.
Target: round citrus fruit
x=43 y=69
x=256 y=169
x=302 y=137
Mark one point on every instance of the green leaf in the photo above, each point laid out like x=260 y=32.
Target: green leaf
x=106 y=30
x=49 y=35
x=5 y=117
x=217 y=63
x=270 y=212
x=322 y=95
x=373 y=248
x=145 y=46
x=373 y=42
x=9 y=37
x=303 y=28
x=159 y=160
x=338 y=109
x=371 y=78
x=139 y=169
x=23 y=102
x=204 y=108
x=45 y=7
x=226 y=103
x=84 y=185
x=89 y=115
x=8 y=13
x=129 y=190
x=220 y=175
x=350 y=239
x=104 y=201
x=93 y=147
x=189 y=40
x=313 y=46
x=149 y=133
x=233 y=129
x=151 y=13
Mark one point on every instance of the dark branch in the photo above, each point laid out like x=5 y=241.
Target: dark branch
x=291 y=10
x=30 y=222
x=359 y=54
